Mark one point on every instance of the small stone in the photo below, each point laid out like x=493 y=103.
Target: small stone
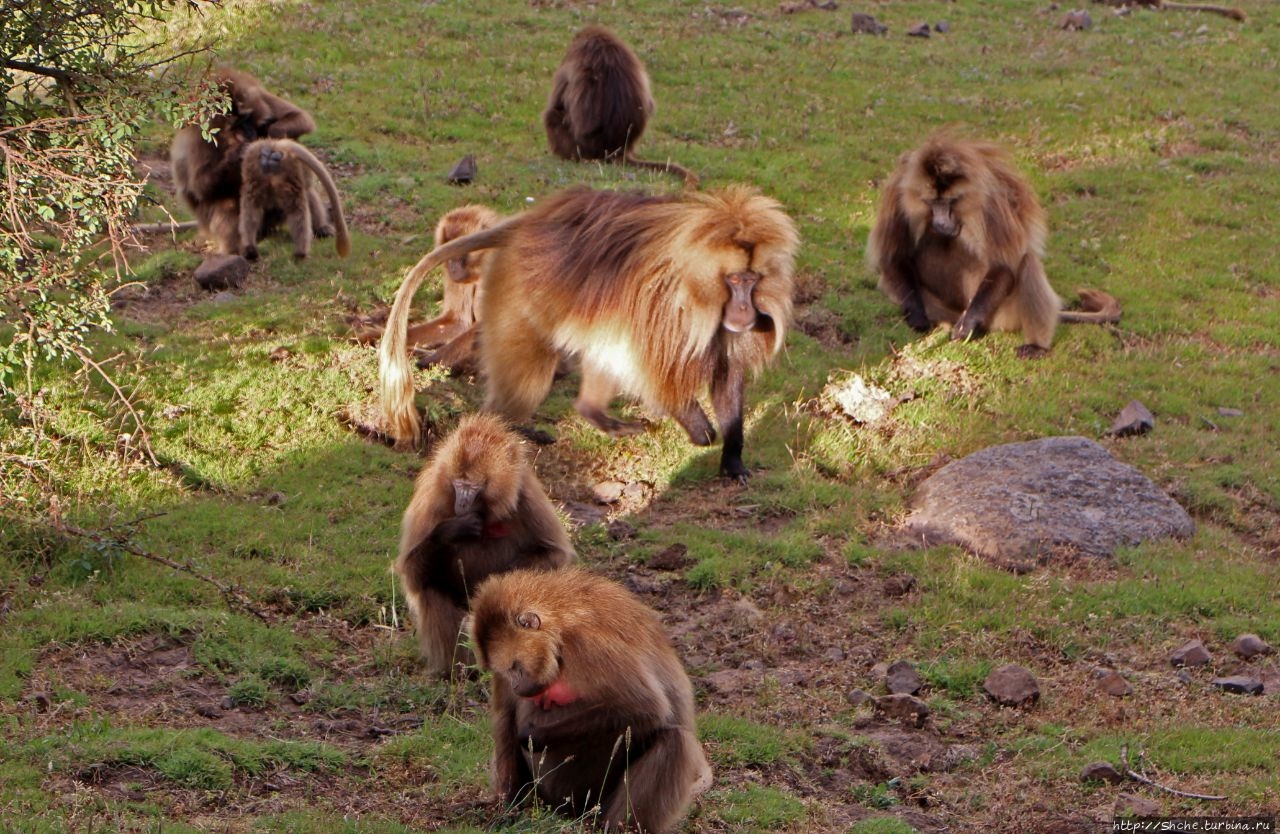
x=865 y=24
x=222 y=272
x=1230 y=412
x=675 y=557
x=464 y=171
x=279 y=354
x=1133 y=419
x=920 y=30
x=858 y=697
x=208 y=710
x=637 y=584
x=620 y=530
x=276 y=499
x=41 y=701
x=1012 y=686
x=1101 y=772
x=942 y=26
x=583 y=514
x=754 y=665
x=1191 y=653
x=902 y=678
x=903 y=707
x=607 y=492
x=227 y=703
x=1113 y=683
x=1238 y=685
x=835 y=654
x=1076 y=21
x=301 y=697
x=899 y=585
x=1248 y=646
x=1129 y=805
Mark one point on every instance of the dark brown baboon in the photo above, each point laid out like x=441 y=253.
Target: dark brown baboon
x=601 y=102
x=592 y=711
x=477 y=510
x=207 y=172
x=660 y=297
x=278 y=183
x=959 y=238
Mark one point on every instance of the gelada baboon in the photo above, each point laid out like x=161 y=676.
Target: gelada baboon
x=477 y=510
x=278 y=183
x=454 y=330
x=601 y=102
x=207 y=172
x=959 y=238
x=660 y=297
x=592 y=711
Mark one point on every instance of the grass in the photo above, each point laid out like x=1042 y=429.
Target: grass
x=1149 y=139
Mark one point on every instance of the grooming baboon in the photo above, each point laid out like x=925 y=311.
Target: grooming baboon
x=659 y=297
x=959 y=238
x=278 y=183
x=207 y=172
x=1226 y=11
x=477 y=509
x=601 y=102
x=591 y=708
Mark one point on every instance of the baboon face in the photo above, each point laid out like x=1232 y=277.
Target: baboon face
x=517 y=647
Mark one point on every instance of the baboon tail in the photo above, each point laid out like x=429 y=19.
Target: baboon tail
x=395 y=374
x=690 y=178
x=341 y=239
x=1097 y=307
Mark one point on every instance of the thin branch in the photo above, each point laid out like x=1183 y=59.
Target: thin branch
x=145 y=442
x=60 y=75
x=234 y=598
x=1138 y=777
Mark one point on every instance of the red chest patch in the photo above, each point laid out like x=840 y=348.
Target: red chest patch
x=558 y=694
x=496 y=530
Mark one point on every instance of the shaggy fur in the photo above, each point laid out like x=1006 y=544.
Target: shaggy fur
x=590 y=704
x=634 y=285
x=278 y=178
x=601 y=102
x=959 y=239
x=207 y=173
x=477 y=509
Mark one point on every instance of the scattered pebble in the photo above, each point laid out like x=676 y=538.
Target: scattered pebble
x=464 y=171
x=607 y=492
x=902 y=678
x=1012 y=686
x=1076 y=21
x=1133 y=419
x=1248 y=646
x=620 y=530
x=221 y=272
x=920 y=30
x=898 y=585
x=1191 y=653
x=905 y=707
x=1130 y=805
x=1102 y=772
x=1230 y=412
x=865 y=24
x=1113 y=683
x=1238 y=685
x=674 y=557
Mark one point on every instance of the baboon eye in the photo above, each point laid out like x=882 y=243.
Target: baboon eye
x=528 y=620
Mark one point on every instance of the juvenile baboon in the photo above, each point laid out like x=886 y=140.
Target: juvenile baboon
x=477 y=510
x=959 y=238
x=591 y=707
x=207 y=172
x=278 y=183
x=660 y=297
x=601 y=102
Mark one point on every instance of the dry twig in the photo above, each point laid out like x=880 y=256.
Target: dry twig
x=1138 y=777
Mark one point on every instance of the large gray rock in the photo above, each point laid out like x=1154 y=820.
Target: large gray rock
x=222 y=272
x=1025 y=500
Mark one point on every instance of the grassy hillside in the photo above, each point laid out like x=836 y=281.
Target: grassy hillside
x=136 y=697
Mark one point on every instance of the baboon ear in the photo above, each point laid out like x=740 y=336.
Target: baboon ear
x=529 y=620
